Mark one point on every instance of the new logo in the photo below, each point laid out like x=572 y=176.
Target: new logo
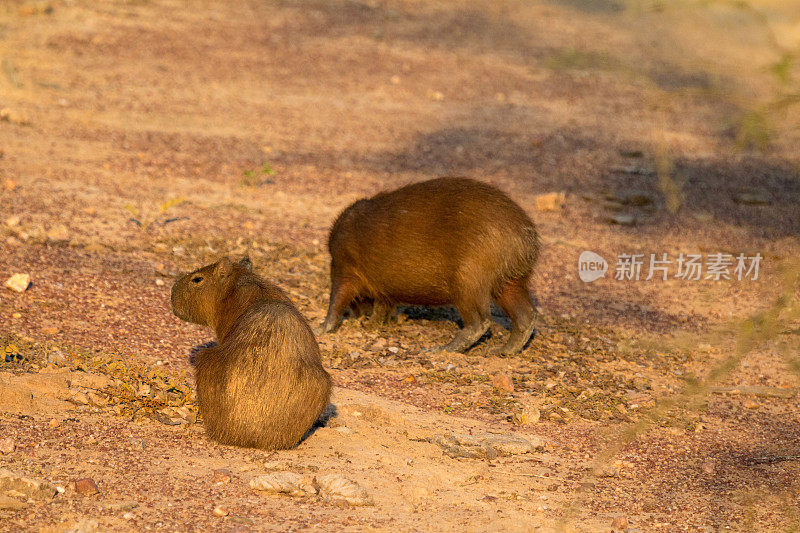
x=591 y=266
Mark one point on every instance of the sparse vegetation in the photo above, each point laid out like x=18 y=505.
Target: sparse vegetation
x=259 y=177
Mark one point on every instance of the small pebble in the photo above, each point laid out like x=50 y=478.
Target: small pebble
x=7 y=445
x=608 y=471
x=435 y=95
x=56 y=357
x=11 y=504
x=622 y=220
x=159 y=282
x=16 y=315
x=553 y=201
x=503 y=382
x=98 y=400
x=220 y=511
x=753 y=197
x=58 y=233
x=51 y=329
x=53 y=423
x=86 y=486
x=620 y=523
x=14 y=116
x=19 y=282
x=221 y=476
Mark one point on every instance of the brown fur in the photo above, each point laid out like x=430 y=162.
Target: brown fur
x=443 y=241
x=263 y=385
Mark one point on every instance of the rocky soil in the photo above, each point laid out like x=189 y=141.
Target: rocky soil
x=139 y=139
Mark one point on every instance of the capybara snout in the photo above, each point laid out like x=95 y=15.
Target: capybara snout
x=443 y=241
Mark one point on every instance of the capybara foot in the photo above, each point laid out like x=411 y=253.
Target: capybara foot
x=327 y=327
x=466 y=338
x=518 y=340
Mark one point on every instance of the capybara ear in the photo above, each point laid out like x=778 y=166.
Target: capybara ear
x=246 y=263
x=224 y=268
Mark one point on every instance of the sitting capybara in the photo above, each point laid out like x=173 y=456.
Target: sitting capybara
x=443 y=241
x=263 y=384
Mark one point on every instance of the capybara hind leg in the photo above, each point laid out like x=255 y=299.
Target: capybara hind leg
x=516 y=301
x=342 y=293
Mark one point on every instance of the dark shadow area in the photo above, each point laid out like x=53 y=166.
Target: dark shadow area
x=674 y=78
x=716 y=186
x=599 y=307
x=756 y=193
x=711 y=187
x=434 y=28
x=614 y=310
x=467 y=149
x=330 y=412
x=720 y=469
x=592 y=6
x=475 y=31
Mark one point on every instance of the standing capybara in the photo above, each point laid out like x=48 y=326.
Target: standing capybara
x=263 y=385
x=443 y=241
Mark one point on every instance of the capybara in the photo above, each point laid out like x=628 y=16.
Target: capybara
x=444 y=241
x=263 y=384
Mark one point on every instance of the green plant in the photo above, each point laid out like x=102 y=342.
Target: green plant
x=258 y=177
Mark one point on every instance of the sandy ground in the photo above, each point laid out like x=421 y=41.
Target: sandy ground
x=132 y=147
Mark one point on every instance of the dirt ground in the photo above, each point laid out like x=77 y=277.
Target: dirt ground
x=142 y=138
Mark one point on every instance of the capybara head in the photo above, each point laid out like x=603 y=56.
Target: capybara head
x=197 y=295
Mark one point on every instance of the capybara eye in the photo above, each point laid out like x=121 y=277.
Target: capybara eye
x=197 y=279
